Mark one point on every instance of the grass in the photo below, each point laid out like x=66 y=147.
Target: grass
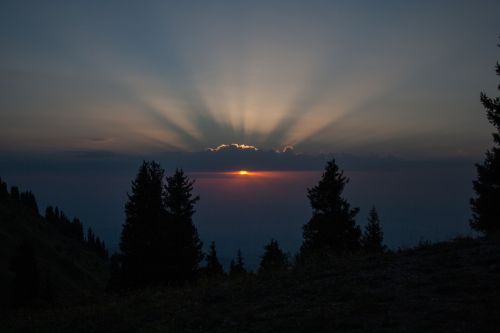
x=452 y=286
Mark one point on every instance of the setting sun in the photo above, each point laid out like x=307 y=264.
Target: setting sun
x=243 y=172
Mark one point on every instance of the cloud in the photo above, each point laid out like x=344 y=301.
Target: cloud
x=233 y=146
x=228 y=157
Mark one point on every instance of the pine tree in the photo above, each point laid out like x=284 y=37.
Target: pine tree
x=14 y=193
x=26 y=283
x=332 y=228
x=274 y=259
x=486 y=204
x=50 y=214
x=144 y=213
x=141 y=232
x=214 y=267
x=77 y=230
x=159 y=242
x=116 y=281
x=28 y=199
x=237 y=268
x=57 y=215
x=4 y=192
x=103 y=251
x=373 y=237
x=183 y=247
x=90 y=238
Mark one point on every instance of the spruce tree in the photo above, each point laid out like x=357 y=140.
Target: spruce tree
x=373 y=236
x=50 y=214
x=26 y=283
x=90 y=238
x=274 y=259
x=214 y=267
x=332 y=228
x=77 y=230
x=486 y=204
x=14 y=193
x=237 y=268
x=141 y=234
x=183 y=248
x=116 y=280
x=159 y=242
x=4 y=192
x=28 y=199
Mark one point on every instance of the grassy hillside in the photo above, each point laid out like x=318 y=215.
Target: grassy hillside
x=68 y=270
x=446 y=287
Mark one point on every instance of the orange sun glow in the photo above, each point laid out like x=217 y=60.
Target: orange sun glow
x=243 y=172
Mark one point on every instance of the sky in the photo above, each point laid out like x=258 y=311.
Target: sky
x=88 y=89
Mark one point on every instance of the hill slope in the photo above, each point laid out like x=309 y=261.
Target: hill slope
x=68 y=270
x=452 y=286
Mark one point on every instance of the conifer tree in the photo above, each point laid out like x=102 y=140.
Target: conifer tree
x=214 y=267
x=373 y=236
x=14 y=193
x=183 y=252
x=103 y=251
x=116 y=281
x=26 y=283
x=274 y=259
x=57 y=215
x=486 y=204
x=237 y=268
x=90 y=238
x=4 y=192
x=332 y=228
x=141 y=234
x=77 y=230
x=28 y=199
x=49 y=213
x=159 y=242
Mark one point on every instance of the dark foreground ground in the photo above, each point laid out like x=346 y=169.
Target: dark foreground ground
x=446 y=287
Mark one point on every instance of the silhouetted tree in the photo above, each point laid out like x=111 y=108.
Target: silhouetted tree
x=100 y=248
x=159 y=242
x=47 y=290
x=103 y=251
x=332 y=228
x=26 y=282
x=49 y=213
x=28 y=199
x=4 y=192
x=116 y=280
x=274 y=259
x=14 y=193
x=142 y=237
x=94 y=243
x=213 y=268
x=90 y=237
x=57 y=215
x=486 y=204
x=77 y=230
x=74 y=229
x=373 y=237
x=184 y=248
x=237 y=268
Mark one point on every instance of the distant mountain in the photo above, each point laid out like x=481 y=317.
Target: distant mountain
x=69 y=269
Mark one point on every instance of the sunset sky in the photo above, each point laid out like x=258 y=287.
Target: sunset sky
x=387 y=78
x=90 y=88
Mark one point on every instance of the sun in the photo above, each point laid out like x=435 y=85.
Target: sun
x=243 y=172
